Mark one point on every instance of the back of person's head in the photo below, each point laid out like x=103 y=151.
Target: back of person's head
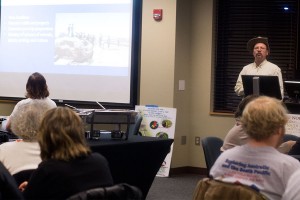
x=263 y=116
x=36 y=86
x=239 y=111
x=61 y=135
x=26 y=123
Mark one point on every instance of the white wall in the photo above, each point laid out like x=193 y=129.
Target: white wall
x=192 y=26
x=157 y=56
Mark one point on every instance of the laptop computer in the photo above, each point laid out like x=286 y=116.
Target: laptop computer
x=262 y=85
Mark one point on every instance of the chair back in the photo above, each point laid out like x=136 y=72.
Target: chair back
x=120 y=191
x=8 y=186
x=210 y=189
x=134 y=128
x=211 y=148
x=288 y=137
x=295 y=150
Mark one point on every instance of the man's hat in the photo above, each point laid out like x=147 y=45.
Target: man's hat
x=252 y=42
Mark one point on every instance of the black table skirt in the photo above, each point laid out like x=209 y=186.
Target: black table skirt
x=135 y=161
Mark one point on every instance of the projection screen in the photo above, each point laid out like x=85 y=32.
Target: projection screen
x=88 y=50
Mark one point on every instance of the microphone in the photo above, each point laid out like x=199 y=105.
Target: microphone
x=100 y=105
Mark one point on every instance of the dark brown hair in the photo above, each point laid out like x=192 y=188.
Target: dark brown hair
x=36 y=87
x=239 y=111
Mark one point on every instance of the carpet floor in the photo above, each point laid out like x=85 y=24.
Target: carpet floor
x=175 y=187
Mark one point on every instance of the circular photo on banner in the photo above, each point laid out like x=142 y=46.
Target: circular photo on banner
x=166 y=123
x=162 y=135
x=154 y=124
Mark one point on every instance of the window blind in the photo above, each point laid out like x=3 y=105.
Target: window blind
x=238 y=21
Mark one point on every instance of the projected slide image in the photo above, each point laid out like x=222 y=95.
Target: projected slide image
x=82 y=47
x=88 y=39
x=93 y=39
x=73 y=50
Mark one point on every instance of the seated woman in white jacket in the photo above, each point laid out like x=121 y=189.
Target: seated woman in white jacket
x=24 y=153
x=36 y=92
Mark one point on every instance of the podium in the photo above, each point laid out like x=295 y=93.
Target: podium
x=108 y=116
x=262 y=85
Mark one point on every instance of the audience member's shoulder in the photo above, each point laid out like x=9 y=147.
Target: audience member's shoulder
x=231 y=151
x=296 y=175
x=98 y=158
x=96 y=155
x=12 y=144
x=293 y=186
x=51 y=166
x=52 y=102
x=24 y=101
x=289 y=160
x=46 y=101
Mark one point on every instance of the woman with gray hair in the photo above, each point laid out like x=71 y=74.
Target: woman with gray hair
x=24 y=154
x=36 y=92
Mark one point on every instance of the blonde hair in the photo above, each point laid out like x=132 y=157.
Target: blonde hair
x=263 y=116
x=26 y=122
x=61 y=135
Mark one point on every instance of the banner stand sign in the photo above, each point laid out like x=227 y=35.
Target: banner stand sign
x=159 y=122
x=293 y=125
